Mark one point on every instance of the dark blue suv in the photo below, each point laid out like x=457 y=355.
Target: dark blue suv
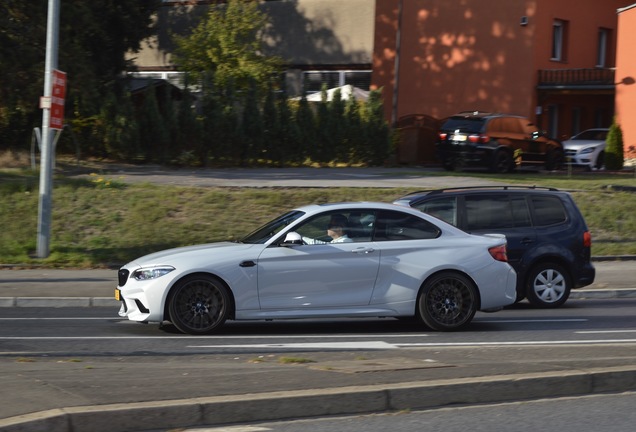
x=549 y=244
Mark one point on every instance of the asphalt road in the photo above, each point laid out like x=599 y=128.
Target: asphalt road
x=120 y=375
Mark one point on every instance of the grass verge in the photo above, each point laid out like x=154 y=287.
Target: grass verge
x=100 y=222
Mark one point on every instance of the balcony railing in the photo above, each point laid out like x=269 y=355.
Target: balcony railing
x=595 y=78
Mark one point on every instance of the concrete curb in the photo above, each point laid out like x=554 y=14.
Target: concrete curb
x=111 y=302
x=222 y=410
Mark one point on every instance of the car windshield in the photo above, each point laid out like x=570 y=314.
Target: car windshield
x=591 y=135
x=270 y=229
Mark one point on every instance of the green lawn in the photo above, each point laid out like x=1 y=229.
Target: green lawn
x=102 y=222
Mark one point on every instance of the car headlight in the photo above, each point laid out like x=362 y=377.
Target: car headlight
x=588 y=150
x=151 y=273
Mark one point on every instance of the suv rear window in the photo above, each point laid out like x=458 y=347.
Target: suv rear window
x=471 y=125
x=548 y=210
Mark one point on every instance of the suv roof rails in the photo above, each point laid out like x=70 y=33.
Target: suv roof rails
x=506 y=187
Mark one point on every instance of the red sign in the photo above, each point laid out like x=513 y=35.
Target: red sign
x=58 y=93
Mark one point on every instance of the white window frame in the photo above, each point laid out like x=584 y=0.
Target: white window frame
x=601 y=53
x=558 y=37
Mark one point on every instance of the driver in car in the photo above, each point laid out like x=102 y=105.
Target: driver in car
x=336 y=230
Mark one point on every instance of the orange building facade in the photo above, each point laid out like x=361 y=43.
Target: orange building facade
x=626 y=79
x=549 y=60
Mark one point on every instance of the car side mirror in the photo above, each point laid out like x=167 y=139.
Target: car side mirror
x=292 y=239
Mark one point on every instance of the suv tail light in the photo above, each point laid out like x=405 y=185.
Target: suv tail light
x=478 y=139
x=443 y=135
x=587 y=239
x=499 y=253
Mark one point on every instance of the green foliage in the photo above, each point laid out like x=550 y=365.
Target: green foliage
x=614 y=156
x=94 y=38
x=228 y=45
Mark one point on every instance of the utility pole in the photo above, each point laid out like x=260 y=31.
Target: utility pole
x=47 y=151
x=396 y=69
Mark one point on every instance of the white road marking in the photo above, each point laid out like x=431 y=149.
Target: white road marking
x=604 y=331
x=371 y=345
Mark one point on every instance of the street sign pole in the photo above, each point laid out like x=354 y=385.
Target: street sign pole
x=46 y=163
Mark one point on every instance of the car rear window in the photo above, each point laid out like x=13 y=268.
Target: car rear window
x=470 y=125
x=548 y=210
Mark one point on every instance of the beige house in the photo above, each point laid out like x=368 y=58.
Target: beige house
x=322 y=41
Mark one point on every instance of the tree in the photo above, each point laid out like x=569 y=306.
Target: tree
x=228 y=44
x=614 y=156
x=94 y=38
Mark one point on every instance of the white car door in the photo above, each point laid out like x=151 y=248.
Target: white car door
x=317 y=275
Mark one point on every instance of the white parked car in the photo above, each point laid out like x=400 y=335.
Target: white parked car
x=587 y=149
x=387 y=261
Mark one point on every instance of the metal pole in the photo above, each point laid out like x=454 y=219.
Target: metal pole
x=46 y=164
x=396 y=71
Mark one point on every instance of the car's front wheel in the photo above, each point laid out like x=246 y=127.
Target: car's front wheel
x=199 y=304
x=554 y=160
x=548 y=286
x=448 y=301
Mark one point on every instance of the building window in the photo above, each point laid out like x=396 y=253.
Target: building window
x=602 y=50
x=559 y=39
x=314 y=80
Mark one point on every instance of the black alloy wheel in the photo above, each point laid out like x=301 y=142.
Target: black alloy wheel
x=447 y=302
x=199 y=304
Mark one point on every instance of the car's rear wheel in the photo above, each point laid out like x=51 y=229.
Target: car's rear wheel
x=448 y=301
x=548 y=286
x=199 y=304
x=502 y=162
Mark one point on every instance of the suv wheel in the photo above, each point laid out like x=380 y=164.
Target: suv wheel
x=548 y=286
x=502 y=162
x=554 y=160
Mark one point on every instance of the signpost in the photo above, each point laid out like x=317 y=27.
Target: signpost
x=51 y=103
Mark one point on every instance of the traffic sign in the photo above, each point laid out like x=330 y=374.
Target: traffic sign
x=58 y=93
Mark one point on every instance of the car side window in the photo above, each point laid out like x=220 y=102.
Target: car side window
x=442 y=208
x=358 y=226
x=488 y=212
x=548 y=211
x=393 y=225
x=520 y=212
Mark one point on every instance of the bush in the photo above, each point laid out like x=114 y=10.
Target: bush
x=614 y=156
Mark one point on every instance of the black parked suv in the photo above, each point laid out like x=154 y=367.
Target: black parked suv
x=549 y=244
x=498 y=142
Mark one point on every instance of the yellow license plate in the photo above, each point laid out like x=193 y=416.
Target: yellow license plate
x=117 y=295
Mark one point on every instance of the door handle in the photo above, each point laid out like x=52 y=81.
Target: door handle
x=363 y=250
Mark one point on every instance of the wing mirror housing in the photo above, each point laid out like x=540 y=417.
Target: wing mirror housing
x=292 y=239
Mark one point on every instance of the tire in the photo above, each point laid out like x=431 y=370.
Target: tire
x=447 y=302
x=199 y=304
x=502 y=162
x=554 y=160
x=600 y=161
x=548 y=286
